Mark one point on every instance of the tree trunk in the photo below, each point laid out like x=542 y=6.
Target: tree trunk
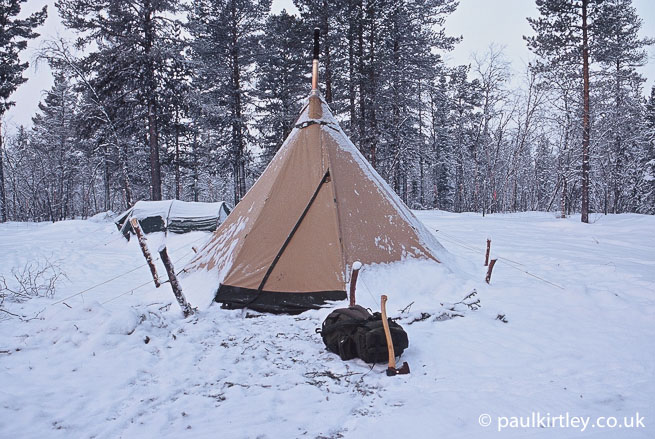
x=564 y=195
x=155 y=171
x=127 y=189
x=565 y=158
x=195 y=165
x=421 y=147
x=363 y=146
x=373 y=87
x=585 y=115
x=3 y=194
x=237 y=132
x=177 y=154
x=326 y=48
x=619 y=148
x=150 y=88
x=395 y=119
x=237 y=135
x=351 y=67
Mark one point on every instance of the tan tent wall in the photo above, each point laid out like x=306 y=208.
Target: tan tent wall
x=318 y=207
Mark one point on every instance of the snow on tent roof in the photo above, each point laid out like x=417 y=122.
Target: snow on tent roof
x=174 y=215
x=176 y=209
x=317 y=208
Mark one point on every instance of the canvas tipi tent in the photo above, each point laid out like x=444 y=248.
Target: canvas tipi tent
x=317 y=208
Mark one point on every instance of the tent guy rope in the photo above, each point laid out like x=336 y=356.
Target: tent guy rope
x=124 y=274
x=509 y=262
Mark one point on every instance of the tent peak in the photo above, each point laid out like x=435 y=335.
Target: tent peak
x=316 y=111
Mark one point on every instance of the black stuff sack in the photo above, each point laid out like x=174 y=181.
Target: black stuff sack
x=354 y=332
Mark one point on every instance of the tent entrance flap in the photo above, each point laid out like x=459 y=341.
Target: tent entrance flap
x=274 y=301
x=277 y=298
x=293 y=231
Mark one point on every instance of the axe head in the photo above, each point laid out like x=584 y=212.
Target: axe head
x=404 y=370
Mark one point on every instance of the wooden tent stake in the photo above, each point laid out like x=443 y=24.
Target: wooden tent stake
x=486 y=258
x=491 y=267
x=177 y=290
x=353 y=281
x=144 y=248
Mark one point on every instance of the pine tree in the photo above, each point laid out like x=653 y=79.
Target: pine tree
x=176 y=109
x=319 y=14
x=404 y=41
x=564 y=34
x=647 y=195
x=620 y=50
x=14 y=33
x=225 y=35
x=282 y=78
x=441 y=139
x=133 y=45
x=466 y=97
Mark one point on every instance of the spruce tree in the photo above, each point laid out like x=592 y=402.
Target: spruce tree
x=225 y=43
x=282 y=78
x=14 y=34
x=54 y=141
x=619 y=50
x=647 y=201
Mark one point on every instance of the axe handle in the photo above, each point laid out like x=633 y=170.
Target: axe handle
x=387 y=332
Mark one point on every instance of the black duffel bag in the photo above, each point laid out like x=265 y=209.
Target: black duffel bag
x=354 y=332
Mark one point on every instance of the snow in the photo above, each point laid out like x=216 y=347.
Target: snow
x=177 y=209
x=120 y=361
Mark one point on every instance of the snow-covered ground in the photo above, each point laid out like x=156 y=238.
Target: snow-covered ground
x=579 y=339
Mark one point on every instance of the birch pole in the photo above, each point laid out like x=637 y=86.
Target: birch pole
x=172 y=278
x=144 y=248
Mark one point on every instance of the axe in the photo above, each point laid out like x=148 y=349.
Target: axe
x=391 y=370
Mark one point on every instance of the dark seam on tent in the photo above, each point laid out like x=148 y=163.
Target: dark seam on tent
x=233 y=297
x=288 y=240
x=344 y=257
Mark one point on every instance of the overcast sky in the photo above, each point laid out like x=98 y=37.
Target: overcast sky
x=480 y=22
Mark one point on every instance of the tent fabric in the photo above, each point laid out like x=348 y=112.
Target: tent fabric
x=317 y=208
x=174 y=216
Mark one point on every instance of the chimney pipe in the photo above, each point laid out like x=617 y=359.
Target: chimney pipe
x=317 y=33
